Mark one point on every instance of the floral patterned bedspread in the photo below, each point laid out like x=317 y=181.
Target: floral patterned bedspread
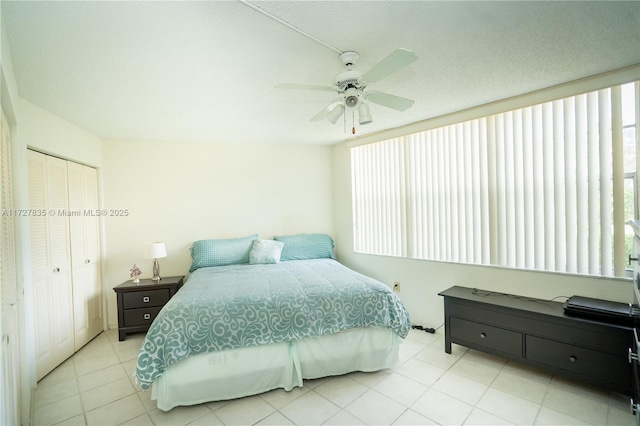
x=229 y=307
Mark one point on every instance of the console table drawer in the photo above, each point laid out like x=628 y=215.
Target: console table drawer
x=598 y=365
x=598 y=337
x=143 y=299
x=487 y=336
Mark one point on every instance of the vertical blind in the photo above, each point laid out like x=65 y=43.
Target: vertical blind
x=539 y=187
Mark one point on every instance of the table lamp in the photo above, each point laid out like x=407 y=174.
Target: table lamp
x=155 y=251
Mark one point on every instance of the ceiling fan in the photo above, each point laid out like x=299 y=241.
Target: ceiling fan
x=351 y=85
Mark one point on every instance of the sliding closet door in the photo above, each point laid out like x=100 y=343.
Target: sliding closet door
x=85 y=252
x=51 y=262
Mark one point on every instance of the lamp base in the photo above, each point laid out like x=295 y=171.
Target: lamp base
x=156 y=270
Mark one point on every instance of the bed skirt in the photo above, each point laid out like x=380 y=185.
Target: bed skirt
x=238 y=373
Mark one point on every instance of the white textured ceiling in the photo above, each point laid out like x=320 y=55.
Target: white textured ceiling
x=205 y=70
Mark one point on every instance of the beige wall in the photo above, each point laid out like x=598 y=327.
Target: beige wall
x=421 y=280
x=180 y=192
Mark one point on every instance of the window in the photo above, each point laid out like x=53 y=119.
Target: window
x=545 y=187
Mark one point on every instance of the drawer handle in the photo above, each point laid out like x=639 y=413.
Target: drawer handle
x=632 y=259
x=145 y=299
x=573 y=358
x=147 y=316
x=56 y=269
x=483 y=335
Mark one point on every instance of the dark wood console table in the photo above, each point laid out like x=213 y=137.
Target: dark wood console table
x=538 y=333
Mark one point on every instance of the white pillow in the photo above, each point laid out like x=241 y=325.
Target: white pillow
x=265 y=251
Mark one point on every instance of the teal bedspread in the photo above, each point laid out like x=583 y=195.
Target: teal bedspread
x=237 y=306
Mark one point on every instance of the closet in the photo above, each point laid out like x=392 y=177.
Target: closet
x=65 y=257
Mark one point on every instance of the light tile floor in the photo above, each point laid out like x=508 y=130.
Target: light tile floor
x=96 y=387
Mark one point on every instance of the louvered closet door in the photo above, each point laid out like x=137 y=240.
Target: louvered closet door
x=51 y=262
x=85 y=253
x=92 y=244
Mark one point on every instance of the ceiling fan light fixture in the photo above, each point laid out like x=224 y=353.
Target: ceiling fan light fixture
x=335 y=113
x=364 y=114
x=351 y=102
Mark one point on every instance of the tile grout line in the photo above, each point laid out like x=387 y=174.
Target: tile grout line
x=127 y=376
x=488 y=386
x=120 y=363
x=408 y=407
x=77 y=379
x=137 y=393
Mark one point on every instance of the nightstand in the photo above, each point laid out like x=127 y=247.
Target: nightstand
x=139 y=304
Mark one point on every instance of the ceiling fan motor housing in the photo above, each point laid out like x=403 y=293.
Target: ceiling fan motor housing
x=348 y=79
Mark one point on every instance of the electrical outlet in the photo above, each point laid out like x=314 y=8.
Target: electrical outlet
x=396 y=286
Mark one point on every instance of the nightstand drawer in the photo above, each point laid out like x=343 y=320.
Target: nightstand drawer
x=487 y=336
x=142 y=299
x=599 y=365
x=142 y=316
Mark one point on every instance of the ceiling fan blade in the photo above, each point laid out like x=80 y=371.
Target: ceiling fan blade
x=297 y=86
x=390 y=101
x=398 y=59
x=323 y=114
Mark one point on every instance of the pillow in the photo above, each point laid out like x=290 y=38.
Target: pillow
x=265 y=251
x=306 y=246
x=230 y=251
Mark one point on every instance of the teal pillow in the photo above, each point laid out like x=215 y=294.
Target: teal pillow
x=306 y=246
x=232 y=251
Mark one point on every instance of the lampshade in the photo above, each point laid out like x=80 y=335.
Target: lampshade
x=364 y=114
x=335 y=113
x=155 y=250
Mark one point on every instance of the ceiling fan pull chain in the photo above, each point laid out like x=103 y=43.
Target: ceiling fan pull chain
x=344 y=121
x=353 y=122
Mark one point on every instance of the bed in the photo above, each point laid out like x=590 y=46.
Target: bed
x=260 y=323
